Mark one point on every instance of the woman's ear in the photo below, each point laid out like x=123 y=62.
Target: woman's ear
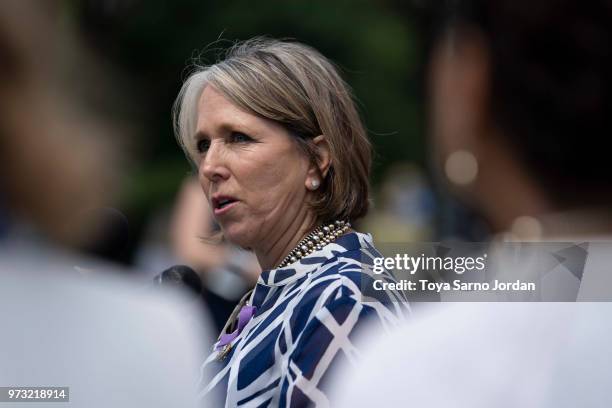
x=323 y=154
x=318 y=170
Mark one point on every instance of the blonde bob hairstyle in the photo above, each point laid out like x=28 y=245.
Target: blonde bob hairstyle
x=294 y=85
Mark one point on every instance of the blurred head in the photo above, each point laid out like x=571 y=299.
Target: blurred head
x=521 y=96
x=58 y=161
x=273 y=129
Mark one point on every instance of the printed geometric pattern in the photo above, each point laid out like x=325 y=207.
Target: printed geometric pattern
x=307 y=317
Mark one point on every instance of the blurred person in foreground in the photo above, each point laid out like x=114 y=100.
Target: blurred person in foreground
x=68 y=320
x=521 y=99
x=284 y=161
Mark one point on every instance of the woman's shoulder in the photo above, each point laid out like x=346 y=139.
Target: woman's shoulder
x=347 y=276
x=352 y=262
x=335 y=299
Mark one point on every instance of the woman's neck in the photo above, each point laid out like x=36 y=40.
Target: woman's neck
x=271 y=253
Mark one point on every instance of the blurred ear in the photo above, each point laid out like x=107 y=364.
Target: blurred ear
x=318 y=171
x=459 y=88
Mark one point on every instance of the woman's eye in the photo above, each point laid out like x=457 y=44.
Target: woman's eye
x=238 y=137
x=203 y=145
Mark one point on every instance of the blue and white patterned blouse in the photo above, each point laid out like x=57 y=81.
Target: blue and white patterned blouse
x=306 y=319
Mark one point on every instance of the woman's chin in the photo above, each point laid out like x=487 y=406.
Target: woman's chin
x=236 y=236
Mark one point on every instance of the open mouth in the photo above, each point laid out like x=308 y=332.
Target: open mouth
x=221 y=203
x=225 y=202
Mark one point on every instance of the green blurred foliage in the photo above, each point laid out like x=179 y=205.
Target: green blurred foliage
x=153 y=42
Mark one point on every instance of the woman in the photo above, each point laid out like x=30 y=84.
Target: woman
x=284 y=161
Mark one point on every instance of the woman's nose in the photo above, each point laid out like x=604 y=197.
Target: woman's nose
x=213 y=165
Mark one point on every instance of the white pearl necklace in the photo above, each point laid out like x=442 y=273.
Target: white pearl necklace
x=316 y=240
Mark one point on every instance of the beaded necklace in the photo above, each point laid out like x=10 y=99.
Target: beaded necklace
x=316 y=240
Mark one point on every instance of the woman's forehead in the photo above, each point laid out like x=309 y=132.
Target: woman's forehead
x=215 y=110
x=216 y=113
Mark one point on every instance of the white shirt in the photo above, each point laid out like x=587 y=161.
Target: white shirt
x=113 y=343
x=490 y=355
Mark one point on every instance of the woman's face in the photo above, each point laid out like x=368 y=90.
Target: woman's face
x=252 y=172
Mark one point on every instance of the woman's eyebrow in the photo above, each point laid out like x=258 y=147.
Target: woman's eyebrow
x=199 y=135
x=219 y=128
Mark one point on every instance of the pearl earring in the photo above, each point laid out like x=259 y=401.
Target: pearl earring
x=314 y=184
x=461 y=167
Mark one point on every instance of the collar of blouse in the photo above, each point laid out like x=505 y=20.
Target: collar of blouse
x=290 y=273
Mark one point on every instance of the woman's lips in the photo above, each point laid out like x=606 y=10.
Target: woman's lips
x=224 y=209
